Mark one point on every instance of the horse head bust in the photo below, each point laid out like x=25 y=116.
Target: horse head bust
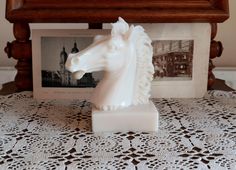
x=125 y=56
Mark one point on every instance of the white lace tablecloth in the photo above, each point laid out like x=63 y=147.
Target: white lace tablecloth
x=56 y=135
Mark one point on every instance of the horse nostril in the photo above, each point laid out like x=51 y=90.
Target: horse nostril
x=68 y=64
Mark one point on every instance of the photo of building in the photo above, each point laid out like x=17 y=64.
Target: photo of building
x=172 y=59
x=56 y=75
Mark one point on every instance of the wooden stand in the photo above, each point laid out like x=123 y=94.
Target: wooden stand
x=23 y=12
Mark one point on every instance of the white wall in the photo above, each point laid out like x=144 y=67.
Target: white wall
x=6 y=34
x=226 y=34
x=227 y=74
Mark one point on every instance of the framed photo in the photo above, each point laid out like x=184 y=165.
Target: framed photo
x=180 y=59
x=50 y=49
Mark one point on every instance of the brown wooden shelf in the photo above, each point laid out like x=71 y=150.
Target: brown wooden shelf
x=102 y=11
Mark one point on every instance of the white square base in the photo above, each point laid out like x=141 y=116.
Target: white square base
x=143 y=118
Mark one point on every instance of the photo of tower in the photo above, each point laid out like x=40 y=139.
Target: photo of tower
x=54 y=73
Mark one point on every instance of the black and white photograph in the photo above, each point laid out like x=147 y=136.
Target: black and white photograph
x=173 y=59
x=50 y=49
x=55 y=51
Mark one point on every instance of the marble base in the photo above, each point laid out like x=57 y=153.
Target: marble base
x=143 y=118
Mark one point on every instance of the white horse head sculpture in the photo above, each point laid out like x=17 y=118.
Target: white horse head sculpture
x=126 y=58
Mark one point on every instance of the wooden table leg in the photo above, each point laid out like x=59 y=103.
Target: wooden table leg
x=216 y=49
x=21 y=50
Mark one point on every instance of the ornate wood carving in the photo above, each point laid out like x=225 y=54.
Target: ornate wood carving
x=216 y=50
x=20 y=49
x=102 y=11
x=22 y=12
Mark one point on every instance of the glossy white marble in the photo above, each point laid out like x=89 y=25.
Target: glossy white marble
x=143 y=117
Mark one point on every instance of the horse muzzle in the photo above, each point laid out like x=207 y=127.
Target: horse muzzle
x=78 y=74
x=74 y=68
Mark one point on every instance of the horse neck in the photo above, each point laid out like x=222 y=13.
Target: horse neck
x=123 y=79
x=116 y=88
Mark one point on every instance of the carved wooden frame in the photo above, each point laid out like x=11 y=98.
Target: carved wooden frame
x=101 y=11
x=96 y=12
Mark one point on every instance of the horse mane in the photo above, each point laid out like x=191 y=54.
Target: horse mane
x=144 y=66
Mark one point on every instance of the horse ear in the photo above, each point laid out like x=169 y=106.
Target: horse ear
x=121 y=19
x=120 y=27
x=130 y=33
x=133 y=31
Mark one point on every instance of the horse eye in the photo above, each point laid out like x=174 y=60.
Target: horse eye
x=113 y=47
x=75 y=60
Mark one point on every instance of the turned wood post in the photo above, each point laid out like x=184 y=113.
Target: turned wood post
x=21 y=50
x=216 y=49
